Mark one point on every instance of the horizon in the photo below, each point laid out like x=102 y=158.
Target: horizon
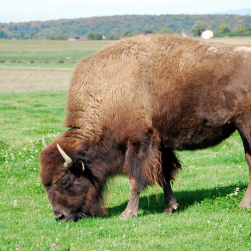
x=35 y=10
x=202 y=14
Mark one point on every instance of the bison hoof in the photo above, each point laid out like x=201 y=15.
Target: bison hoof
x=171 y=209
x=128 y=214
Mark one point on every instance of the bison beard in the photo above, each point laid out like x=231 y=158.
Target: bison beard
x=131 y=105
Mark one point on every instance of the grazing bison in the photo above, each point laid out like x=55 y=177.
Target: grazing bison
x=131 y=105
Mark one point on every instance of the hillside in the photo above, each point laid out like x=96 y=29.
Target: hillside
x=114 y=27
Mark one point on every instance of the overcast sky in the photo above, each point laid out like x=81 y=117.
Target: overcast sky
x=42 y=10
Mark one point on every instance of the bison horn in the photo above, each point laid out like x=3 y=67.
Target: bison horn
x=68 y=160
x=44 y=142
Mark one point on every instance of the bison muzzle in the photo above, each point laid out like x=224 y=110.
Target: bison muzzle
x=131 y=105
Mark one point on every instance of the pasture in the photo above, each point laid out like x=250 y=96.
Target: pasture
x=45 y=53
x=32 y=100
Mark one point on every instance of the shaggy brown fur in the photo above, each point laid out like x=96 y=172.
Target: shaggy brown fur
x=134 y=102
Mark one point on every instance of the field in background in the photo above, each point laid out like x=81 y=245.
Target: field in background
x=242 y=41
x=32 y=105
x=26 y=80
x=45 y=53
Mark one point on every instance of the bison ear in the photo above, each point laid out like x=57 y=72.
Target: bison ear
x=82 y=165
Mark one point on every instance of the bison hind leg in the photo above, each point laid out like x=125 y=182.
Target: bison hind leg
x=171 y=204
x=170 y=167
x=243 y=123
x=246 y=200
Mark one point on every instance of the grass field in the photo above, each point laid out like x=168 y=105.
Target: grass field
x=45 y=53
x=32 y=106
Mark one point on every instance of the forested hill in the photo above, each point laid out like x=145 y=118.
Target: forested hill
x=114 y=27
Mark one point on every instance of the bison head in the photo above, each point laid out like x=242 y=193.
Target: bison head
x=73 y=189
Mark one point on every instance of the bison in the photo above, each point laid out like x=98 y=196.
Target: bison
x=131 y=105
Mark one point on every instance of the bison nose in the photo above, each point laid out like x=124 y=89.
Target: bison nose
x=59 y=217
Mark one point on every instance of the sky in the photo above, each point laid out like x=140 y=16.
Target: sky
x=43 y=10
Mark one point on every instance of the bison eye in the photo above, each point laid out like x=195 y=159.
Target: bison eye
x=64 y=183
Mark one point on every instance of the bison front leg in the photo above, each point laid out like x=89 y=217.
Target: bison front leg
x=133 y=204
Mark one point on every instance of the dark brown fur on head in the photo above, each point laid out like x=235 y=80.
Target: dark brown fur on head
x=75 y=193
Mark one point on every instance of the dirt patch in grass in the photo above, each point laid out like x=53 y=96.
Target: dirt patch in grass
x=25 y=80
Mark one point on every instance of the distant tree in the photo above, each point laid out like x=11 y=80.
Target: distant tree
x=166 y=31
x=248 y=31
x=149 y=31
x=129 y=33
x=95 y=36
x=112 y=37
x=3 y=35
x=22 y=35
x=223 y=30
x=125 y=26
x=244 y=31
x=57 y=37
x=198 y=28
x=36 y=36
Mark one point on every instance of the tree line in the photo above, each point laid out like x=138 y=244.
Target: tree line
x=116 y=27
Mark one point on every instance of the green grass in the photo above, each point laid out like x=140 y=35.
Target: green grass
x=207 y=218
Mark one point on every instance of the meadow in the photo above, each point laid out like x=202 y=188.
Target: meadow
x=32 y=100
x=46 y=53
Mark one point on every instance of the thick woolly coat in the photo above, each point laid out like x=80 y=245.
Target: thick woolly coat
x=142 y=97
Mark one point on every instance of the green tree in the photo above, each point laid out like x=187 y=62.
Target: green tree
x=149 y=31
x=198 y=28
x=112 y=37
x=95 y=36
x=223 y=30
x=166 y=31
x=129 y=33
x=57 y=37
x=3 y=35
x=244 y=31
